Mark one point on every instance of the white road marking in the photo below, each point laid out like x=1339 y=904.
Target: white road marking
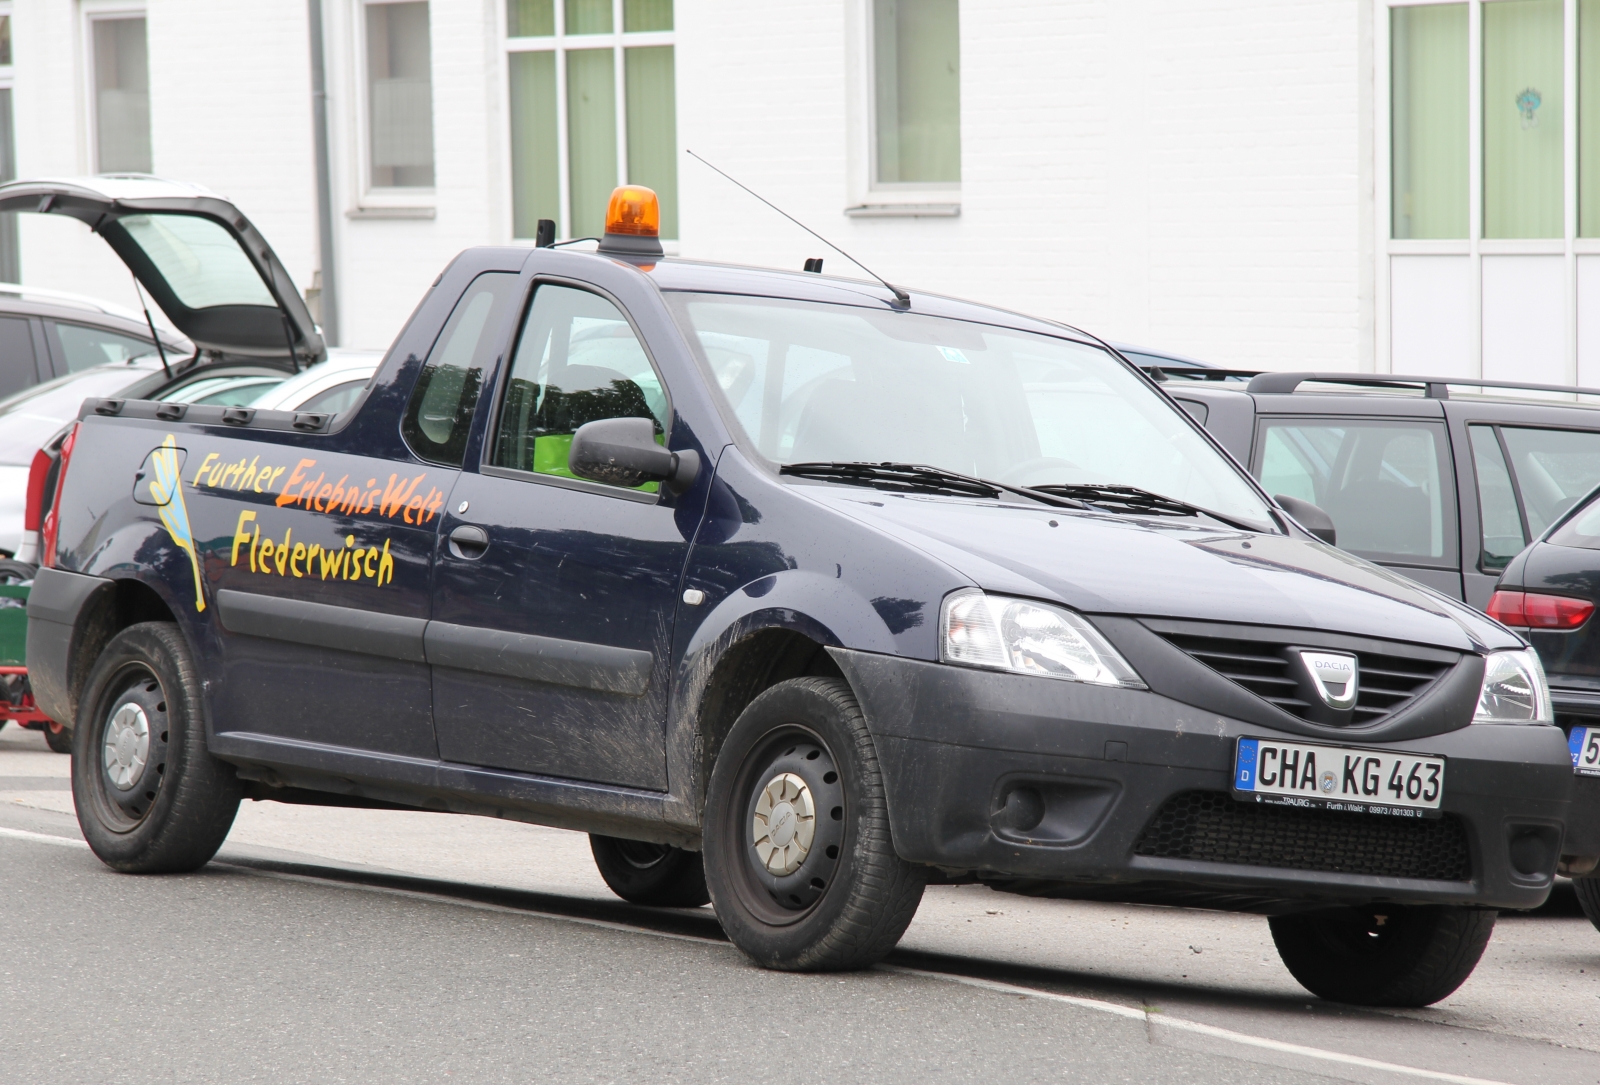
x=42 y=838
x=1097 y=1005
x=1182 y=1025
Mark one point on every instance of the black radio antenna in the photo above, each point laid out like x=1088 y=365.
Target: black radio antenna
x=902 y=300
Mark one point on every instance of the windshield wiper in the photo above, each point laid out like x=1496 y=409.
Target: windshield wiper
x=1133 y=499
x=921 y=478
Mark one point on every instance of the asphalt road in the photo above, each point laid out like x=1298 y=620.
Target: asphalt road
x=356 y=946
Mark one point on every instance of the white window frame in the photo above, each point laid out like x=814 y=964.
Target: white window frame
x=1475 y=246
x=559 y=44
x=374 y=201
x=867 y=197
x=89 y=13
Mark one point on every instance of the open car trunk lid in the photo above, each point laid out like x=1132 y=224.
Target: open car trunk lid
x=202 y=262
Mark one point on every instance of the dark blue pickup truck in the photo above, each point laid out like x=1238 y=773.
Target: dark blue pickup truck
x=796 y=593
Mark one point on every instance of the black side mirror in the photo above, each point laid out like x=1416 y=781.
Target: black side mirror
x=1309 y=516
x=623 y=452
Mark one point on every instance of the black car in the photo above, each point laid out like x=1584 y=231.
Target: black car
x=795 y=592
x=1548 y=594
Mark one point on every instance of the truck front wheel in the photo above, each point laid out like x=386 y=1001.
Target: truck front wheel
x=798 y=856
x=1383 y=954
x=150 y=798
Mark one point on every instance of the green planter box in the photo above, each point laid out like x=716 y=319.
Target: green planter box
x=13 y=624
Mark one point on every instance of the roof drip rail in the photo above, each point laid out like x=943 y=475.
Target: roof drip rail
x=1181 y=373
x=1434 y=387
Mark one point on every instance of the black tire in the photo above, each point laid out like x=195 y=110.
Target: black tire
x=13 y=571
x=657 y=875
x=57 y=737
x=833 y=895
x=1381 y=954
x=1588 y=890
x=169 y=810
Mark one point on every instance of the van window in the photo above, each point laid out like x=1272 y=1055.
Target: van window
x=1497 y=501
x=440 y=412
x=1527 y=478
x=1385 y=484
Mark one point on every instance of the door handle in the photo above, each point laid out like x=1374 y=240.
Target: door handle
x=469 y=541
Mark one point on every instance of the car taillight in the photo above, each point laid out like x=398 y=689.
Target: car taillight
x=38 y=475
x=47 y=528
x=1534 y=610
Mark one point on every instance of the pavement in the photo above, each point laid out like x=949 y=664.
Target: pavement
x=330 y=945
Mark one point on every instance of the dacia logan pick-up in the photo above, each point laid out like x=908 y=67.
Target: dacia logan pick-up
x=795 y=592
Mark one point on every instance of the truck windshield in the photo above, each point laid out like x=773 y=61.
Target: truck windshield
x=819 y=382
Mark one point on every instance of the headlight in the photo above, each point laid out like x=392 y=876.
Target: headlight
x=1514 y=690
x=1004 y=634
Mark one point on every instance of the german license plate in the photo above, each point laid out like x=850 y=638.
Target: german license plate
x=1338 y=778
x=1584 y=744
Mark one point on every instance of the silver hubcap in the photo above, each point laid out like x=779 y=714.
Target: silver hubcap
x=127 y=746
x=785 y=824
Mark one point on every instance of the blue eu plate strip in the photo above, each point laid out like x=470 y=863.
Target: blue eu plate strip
x=1244 y=776
x=1575 y=743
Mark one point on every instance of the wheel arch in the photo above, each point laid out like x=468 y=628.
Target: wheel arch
x=111 y=608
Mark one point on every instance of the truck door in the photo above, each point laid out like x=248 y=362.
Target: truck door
x=323 y=568
x=554 y=597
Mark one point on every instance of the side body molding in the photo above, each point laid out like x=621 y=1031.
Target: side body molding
x=539 y=659
x=414 y=640
x=364 y=631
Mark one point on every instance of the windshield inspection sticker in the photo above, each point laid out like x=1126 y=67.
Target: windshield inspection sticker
x=951 y=354
x=1338 y=778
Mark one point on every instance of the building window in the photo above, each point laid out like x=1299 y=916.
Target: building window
x=916 y=92
x=1428 y=125
x=1523 y=118
x=10 y=263
x=399 y=88
x=593 y=105
x=121 y=94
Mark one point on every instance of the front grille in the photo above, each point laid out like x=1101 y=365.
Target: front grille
x=1212 y=827
x=1387 y=682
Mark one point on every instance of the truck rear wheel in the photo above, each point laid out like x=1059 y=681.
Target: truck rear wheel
x=1381 y=954
x=150 y=798
x=798 y=856
x=657 y=875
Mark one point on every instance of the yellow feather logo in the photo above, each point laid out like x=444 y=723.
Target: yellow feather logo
x=167 y=491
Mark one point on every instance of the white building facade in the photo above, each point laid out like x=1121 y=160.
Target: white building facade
x=1322 y=184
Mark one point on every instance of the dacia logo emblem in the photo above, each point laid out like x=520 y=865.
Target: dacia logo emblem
x=1335 y=676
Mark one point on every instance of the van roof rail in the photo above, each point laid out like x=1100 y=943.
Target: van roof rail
x=1436 y=387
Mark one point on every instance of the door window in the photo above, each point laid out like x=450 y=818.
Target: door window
x=577 y=361
x=1383 y=483
x=1546 y=471
x=440 y=412
x=1497 y=500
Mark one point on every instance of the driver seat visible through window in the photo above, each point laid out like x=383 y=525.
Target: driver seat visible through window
x=578 y=361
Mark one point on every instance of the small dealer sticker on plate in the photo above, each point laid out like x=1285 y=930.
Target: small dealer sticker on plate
x=1584 y=744
x=1338 y=778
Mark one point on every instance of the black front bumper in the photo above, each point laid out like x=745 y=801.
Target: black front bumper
x=956 y=746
